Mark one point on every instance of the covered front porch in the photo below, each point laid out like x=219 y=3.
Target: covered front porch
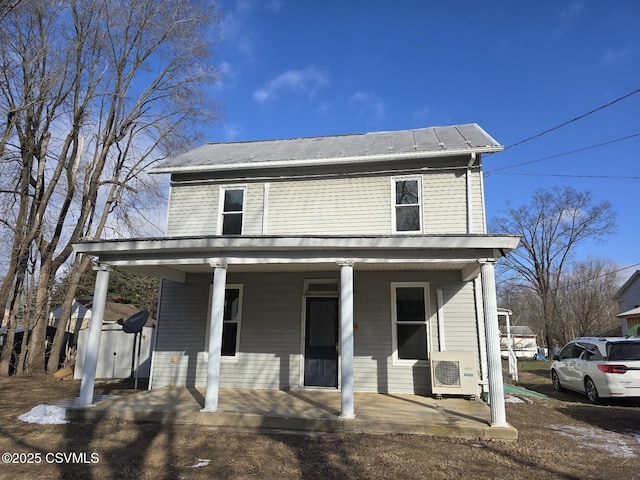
x=304 y=410
x=468 y=258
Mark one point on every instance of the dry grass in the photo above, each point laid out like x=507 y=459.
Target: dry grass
x=143 y=450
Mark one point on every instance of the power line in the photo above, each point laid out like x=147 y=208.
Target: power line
x=610 y=177
x=572 y=120
x=565 y=153
x=580 y=282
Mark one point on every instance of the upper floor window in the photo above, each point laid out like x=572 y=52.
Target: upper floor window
x=232 y=212
x=407 y=204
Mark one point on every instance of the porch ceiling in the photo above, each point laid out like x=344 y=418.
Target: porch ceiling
x=173 y=258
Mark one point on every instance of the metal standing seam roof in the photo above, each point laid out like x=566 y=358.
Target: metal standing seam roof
x=376 y=146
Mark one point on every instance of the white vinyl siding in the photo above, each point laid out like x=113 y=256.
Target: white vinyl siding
x=194 y=210
x=445 y=204
x=269 y=342
x=270 y=354
x=349 y=205
x=477 y=203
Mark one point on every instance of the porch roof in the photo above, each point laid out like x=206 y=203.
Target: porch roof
x=174 y=257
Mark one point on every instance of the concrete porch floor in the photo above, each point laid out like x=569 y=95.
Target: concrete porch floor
x=304 y=410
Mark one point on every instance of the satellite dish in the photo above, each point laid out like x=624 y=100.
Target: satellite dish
x=135 y=322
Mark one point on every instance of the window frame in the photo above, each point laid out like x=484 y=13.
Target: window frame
x=238 y=321
x=394 y=323
x=222 y=213
x=395 y=206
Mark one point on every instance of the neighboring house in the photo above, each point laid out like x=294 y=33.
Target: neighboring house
x=81 y=314
x=79 y=318
x=522 y=339
x=117 y=353
x=341 y=262
x=628 y=298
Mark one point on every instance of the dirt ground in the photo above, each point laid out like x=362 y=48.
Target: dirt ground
x=562 y=437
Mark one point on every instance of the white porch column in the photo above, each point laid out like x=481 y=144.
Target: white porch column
x=95 y=331
x=215 y=337
x=494 y=362
x=346 y=340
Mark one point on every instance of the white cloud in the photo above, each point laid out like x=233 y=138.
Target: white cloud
x=231 y=132
x=422 y=114
x=369 y=105
x=300 y=82
x=227 y=74
x=568 y=16
x=572 y=11
x=238 y=28
x=611 y=56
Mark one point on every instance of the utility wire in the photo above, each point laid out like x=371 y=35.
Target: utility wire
x=568 y=175
x=565 y=153
x=572 y=120
x=586 y=280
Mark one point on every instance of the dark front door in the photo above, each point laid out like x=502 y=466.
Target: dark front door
x=321 y=343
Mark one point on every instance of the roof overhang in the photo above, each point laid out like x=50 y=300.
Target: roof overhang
x=174 y=257
x=312 y=162
x=634 y=312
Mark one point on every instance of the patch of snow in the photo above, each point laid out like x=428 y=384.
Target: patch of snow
x=202 y=462
x=513 y=399
x=615 y=444
x=45 y=414
x=633 y=434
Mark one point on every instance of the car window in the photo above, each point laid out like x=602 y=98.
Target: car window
x=624 y=351
x=572 y=350
x=591 y=352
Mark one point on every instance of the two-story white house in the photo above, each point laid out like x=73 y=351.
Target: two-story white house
x=338 y=262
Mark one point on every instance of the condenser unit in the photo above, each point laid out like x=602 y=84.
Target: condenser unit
x=454 y=373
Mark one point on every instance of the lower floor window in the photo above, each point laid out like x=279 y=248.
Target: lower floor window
x=230 y=321
x=409 y=307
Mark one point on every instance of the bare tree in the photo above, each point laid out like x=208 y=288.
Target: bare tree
x=6 y=6
x=551 y=227
x=584 y=302
x=587 y=299
x=97 y=90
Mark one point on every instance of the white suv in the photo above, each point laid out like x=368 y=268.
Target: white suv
x=599 y=366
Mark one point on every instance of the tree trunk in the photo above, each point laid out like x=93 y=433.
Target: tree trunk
x=78 y=268
x=34 y=360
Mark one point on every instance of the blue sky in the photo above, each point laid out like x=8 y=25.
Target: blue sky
x=301 y=68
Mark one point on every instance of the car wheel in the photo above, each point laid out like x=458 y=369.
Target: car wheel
x=592 y=391
x=557 y=386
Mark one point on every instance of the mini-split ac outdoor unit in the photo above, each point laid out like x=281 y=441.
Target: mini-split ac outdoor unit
x=454 y=373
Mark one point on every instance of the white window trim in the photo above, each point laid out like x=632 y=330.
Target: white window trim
x=325 y=293
x=418 y=178
x=226 y=358
x=394 y=333
x=221 y=206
